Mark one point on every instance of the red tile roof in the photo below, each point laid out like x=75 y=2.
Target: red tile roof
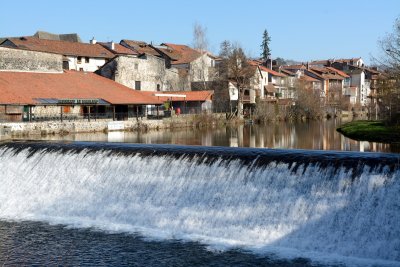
x=272 y=72
x=308 y=78
x=326 y=73
x=141 y=47
x=61 y=47
x=118 y=49
x=180 y=54
x=26 y=87
x=341 y=73
x=294 y=67
x=190 y=95
x=287 y=72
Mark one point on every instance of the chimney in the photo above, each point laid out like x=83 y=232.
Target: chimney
x=308 y=66
x=93 y=41
x=111 y=45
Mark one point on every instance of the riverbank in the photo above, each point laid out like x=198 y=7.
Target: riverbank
x=373 y=131
x=31 y=129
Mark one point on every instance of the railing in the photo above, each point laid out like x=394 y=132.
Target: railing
x=84 y=117
x=149 y=113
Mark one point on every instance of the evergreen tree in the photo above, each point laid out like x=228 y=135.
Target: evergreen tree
x=265 y=51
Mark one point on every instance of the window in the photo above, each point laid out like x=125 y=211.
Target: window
x=79 y=60
x=86 y=60
x=137 y=85
x=80 y=69
x=136 y=66
x=158 y=87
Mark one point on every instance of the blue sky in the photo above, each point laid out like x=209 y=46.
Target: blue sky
x=300 y=30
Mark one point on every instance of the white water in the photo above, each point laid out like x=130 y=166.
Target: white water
x=318 y=214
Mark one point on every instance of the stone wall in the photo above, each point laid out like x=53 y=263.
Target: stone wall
x=12 y=59
x=26 y=129
x=149 y=70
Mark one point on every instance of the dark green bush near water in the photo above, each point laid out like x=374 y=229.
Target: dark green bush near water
x=374 y=131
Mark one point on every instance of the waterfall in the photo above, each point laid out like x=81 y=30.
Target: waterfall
x=329 y=203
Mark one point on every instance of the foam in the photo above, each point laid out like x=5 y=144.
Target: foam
x=320 y=213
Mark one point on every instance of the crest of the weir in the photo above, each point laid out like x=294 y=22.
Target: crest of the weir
x=341 y=203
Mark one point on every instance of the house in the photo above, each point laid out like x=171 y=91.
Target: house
x=68 y=95
x=199 y=65
x=259 y=81
x=358 y=62
x=278 y=80
x=360 y=77
x=357 y=85
x=307 y=78
x=76 y=56
x=332 y=84
x=144 y=72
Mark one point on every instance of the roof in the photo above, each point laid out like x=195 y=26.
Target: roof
x=340 y=60
x=118 y=49
x=140 y=47
x=190 y=95
x=294 y=67
x=320 y=62
x=270 y=88
x=326 y=73
x=272 y=72
x=287 y=72
x=68 y=37
x=66 y=85
x=341 y=73
x=61 y=47
x=180 y=54
x=308 y=78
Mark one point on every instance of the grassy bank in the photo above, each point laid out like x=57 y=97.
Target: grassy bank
x=373 y=131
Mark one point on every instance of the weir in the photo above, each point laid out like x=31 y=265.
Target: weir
x=327 y=203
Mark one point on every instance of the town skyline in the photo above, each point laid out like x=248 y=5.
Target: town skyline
x=301 y=32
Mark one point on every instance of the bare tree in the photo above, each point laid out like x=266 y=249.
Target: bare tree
x=389 y=84
x=235 y=68
x=200 y=43
x=308 y=101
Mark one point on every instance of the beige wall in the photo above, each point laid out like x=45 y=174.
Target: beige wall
x=29 y=61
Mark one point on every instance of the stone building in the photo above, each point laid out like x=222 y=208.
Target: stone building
x=76 y=56
x=144 y=72
x=198 y=66
x=13 y=59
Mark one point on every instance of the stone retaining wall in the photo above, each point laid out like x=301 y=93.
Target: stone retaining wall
x=22 y=129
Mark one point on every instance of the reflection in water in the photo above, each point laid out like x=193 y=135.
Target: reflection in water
x=319 y=135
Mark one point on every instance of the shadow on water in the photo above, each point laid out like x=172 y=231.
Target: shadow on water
x=40 y=244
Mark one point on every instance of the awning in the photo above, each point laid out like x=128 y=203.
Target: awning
x=270 y=88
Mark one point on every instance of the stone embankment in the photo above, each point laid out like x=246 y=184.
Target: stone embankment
x=28 y=129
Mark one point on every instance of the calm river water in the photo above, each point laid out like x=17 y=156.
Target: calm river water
x=318 y=135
